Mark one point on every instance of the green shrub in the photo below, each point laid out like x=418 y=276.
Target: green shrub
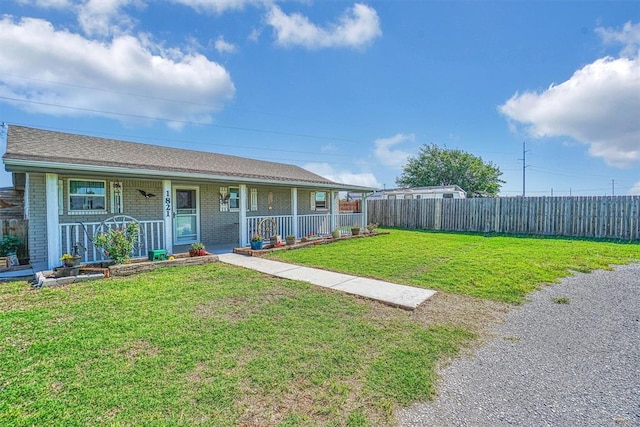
x=117 y=243
x=9 y=244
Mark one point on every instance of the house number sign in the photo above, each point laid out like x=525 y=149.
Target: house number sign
x=167 y=204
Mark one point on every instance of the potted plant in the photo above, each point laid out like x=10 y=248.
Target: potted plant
x=275 y=240
x=290 y=239
x=336 y=233
x=355 y=230
x=70 y=260
x=256 y=242
x=197 y=249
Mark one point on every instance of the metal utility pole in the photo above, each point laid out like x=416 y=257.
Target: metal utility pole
x=524 y=167
x=613 y=187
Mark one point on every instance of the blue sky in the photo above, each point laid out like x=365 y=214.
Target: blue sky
x=348 y=90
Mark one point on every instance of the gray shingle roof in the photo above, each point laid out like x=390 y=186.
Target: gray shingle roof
x=24 y=143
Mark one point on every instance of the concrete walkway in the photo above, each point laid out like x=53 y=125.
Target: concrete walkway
x=407 y=297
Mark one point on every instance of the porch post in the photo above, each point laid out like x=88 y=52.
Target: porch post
x=168 y=215
x=363 y=208
x=53 y=220
x=244 y=236
x=294 y=212
x=335 y=203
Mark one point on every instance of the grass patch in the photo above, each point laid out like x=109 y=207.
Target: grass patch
x=499 y=268
x=210 y=345
x=561 y=300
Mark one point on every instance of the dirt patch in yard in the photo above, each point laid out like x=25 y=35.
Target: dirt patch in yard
x=475 y=314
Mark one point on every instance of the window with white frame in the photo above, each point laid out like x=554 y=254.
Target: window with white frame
x=319 y=200
x=87 y=196
x=234 y=198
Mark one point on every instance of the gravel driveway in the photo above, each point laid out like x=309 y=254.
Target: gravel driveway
x=551 y=364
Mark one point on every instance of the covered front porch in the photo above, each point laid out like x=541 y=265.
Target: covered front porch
x=220 y=216
x=303 y=225
x=152 y=233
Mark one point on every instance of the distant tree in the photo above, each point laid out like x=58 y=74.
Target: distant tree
x=435 y=166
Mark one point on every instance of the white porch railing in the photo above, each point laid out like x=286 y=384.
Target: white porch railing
x=151 y=237
x=316 y=224
x=345 y=221
x=283 y=223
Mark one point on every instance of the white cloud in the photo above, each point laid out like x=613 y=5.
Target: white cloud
x=598 y=106
x=105 y=17
x=223 y=46
x=356 y=28
x=384 y=152
x=61 y=68
x=326 y=170
x=219 y=6
x=629 y=37
x=329 y=148
x=635 y=190
x=53 y=4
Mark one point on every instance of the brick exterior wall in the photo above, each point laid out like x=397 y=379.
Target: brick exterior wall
x=217 y=227
x=281 y=203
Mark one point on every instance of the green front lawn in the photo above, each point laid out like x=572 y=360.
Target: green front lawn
x=492 y=267
x=219 y=345
x=210 y=345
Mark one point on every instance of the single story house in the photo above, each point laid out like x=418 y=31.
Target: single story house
x=73 y=183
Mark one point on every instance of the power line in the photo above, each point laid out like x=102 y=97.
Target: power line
x=99 y=89
x=187 y=122
x=181 y=141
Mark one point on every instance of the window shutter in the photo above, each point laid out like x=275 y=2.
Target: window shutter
x=224 y=205
x=313 y=201
x=254 y=199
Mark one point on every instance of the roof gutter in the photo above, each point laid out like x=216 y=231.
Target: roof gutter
x=20 y=165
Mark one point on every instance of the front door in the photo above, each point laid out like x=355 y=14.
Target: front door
x=186 y=224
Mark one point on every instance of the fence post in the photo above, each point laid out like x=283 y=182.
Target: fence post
x=437 y=215
x=496 y=215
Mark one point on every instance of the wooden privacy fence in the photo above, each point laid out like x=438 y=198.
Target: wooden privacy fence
x=593 y=217
x=18 y=228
